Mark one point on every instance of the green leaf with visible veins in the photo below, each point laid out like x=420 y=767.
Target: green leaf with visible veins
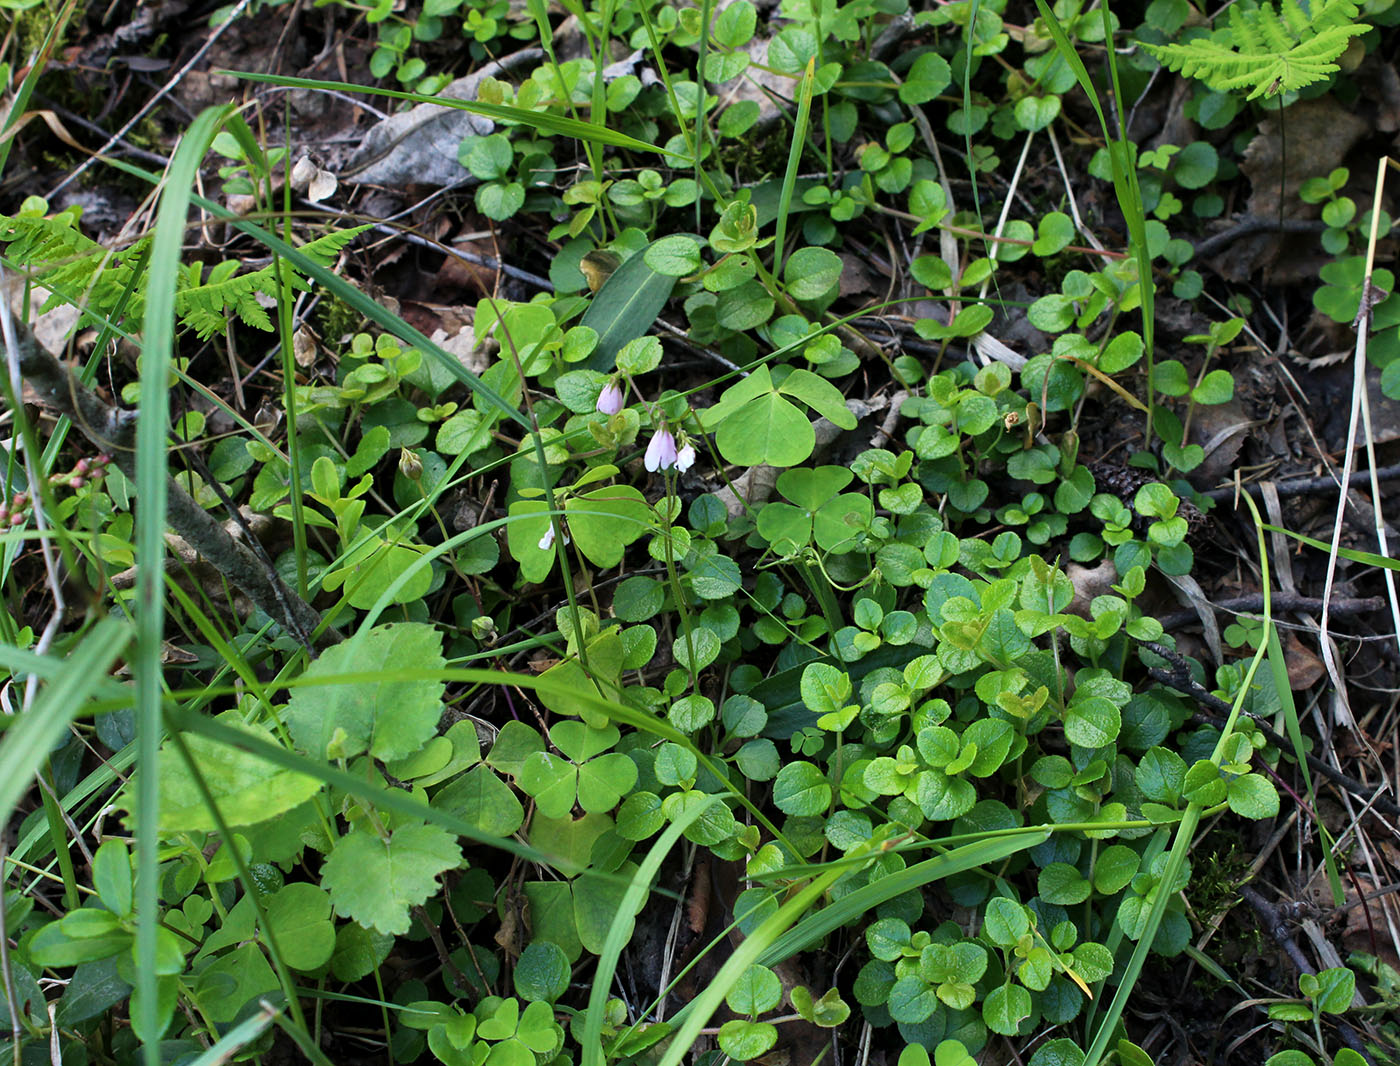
x=247 y=789
x=768 y=430
x=390 y=718
x=376 y=882
x=820 y=395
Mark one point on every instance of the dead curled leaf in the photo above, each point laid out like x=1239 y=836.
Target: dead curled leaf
x=1304 y=668
x=1307 y=141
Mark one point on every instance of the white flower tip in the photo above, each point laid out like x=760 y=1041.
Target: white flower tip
x=661 y=452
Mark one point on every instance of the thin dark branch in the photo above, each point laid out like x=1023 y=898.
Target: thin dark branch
x=1342 y=606
x=1277 y=928
x=1252 y=224
x=113 y=431
x=1215 y=710
x=1310 y=486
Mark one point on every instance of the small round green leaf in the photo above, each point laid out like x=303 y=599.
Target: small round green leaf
x=541 y=972
x=801 y=789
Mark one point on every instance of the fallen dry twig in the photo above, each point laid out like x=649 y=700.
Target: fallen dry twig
x=1214 y=710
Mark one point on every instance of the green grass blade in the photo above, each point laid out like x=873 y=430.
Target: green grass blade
x=58 y=837
x=539 y=120
x=697 y=140
x=618 y=932
x=539 y=11
x=701 y=1009
x=49 y=668
x=28 y=741
x=968 y=63
x=1185 y=831
x=1279 y=666
x=96 y=785
x=1125 y=183
x=31 y=79
x=151 y=477
x=865 y=899
x=1369 y=558
x=794 y=163
x=236 y=1039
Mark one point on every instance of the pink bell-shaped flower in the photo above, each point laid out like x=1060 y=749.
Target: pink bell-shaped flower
x=685 y=457
x=661 y=452
x=610 y=400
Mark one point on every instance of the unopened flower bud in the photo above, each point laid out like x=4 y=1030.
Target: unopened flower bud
x=410 y=464
x=610 y=400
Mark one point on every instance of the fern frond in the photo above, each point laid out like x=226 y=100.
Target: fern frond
x=73 y=267
x=204 y=306
x=77 y=269
x=325 y=249
x=1268 y=51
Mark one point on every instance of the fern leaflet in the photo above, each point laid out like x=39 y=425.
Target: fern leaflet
x=1266 y=50
x=78 y=270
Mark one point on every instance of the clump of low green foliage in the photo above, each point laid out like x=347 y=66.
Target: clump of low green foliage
x=873 y=695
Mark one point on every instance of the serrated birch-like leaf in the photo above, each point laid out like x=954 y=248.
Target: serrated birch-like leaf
x=390 y=719
x=245 y=787
x=375 y=882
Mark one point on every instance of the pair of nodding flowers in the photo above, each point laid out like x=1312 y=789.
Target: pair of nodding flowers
x=662 y=453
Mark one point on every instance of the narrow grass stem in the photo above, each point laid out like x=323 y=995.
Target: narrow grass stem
x=556 y=513
x=151 y=483
x=794 y=163
x=1185 y=830
x=58 y=837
